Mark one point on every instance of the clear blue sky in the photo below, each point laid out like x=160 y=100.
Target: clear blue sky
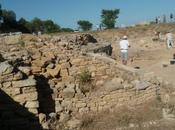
x=66 y=13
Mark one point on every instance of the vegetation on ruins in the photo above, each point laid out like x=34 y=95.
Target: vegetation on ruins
x=85 y=80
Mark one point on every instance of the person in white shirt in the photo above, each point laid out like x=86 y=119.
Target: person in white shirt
x=124 y=45
x=169 y=40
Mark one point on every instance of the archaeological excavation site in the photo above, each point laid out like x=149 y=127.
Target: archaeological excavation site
x=76 y=81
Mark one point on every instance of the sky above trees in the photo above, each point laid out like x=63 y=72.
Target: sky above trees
x=66 y=13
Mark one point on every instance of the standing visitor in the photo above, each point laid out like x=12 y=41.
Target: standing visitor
x=124 y=45
x=169 y=40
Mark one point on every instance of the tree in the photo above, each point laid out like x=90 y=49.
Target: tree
x=171 y=17
x=22 y=21
x=9 y=16
x=109 y=18
x=22 y=25
x=9 y=21
x=51 y=27
x=0 y=12
x=67 y=30
x=1 y=19
x=85 y=25
x=37 y=25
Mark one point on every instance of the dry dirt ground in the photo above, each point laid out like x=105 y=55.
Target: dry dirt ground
x=145 y=54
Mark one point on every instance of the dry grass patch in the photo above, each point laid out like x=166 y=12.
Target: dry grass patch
x=122 y=117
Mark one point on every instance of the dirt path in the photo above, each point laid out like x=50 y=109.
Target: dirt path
x=157 y=61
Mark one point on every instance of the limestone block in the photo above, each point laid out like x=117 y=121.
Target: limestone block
x=51 y=66
x=36 y=69
x=64 y=73
x=92 y=68
x=33 y=110
x=26 y=97
x=81 y=104
x=54 y=72
x=28 y=89
x=18 y=76
x=12 y=91
x=83 y=110
x=99 y=82
x=102 y=103
x=25 y=70
x=6 y=78
x=142 y=85
x=67 y=104
x=64 y=117
x=114 y=84
x=65 y=65
x=42 y=118
x=76 y=61
x=68 y=93
x=94 y=109
x=24 y=83
x=7 y=85
x=5 y=68
x=58 y=107
x=32 y=104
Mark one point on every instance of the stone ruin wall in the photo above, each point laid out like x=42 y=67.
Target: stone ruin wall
x=109 y=98
x=19 y=98
x=50 y=85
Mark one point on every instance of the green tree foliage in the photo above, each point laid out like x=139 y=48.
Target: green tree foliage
x=84 y=25
x=11 y=25
x=22 y=21
x=0 y=12
x=22 y=25
x=9 y=16
x=51 y=27
x=0 y=18
x=66 y=30
x=9 y=21
x=37 y=25
x=171 y=17
x=109 y=18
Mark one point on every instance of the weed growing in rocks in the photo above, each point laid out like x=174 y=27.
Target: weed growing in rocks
x=85 y=81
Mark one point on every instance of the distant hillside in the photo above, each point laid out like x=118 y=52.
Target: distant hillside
x=134 y=32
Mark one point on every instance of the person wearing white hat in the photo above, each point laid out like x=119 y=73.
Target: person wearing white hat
x=124 y=45
x=169 y=40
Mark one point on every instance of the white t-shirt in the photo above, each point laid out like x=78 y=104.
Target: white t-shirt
x=169 y=36
x=124 y=45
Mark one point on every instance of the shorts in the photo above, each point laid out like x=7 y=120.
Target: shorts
x=124 y=55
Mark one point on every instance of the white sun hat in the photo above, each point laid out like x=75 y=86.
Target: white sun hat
x=125 y=37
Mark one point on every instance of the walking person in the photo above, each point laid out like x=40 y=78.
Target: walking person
x=124 y=45
x=169 y=40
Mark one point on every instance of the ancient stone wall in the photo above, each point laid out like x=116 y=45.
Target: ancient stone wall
x=18 y=98
x=115 y=86
x=43 y=80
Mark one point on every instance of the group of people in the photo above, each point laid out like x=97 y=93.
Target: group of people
x=124 y=46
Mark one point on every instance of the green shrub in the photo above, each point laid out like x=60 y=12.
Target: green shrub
x=85 y=81
x=84 y=77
